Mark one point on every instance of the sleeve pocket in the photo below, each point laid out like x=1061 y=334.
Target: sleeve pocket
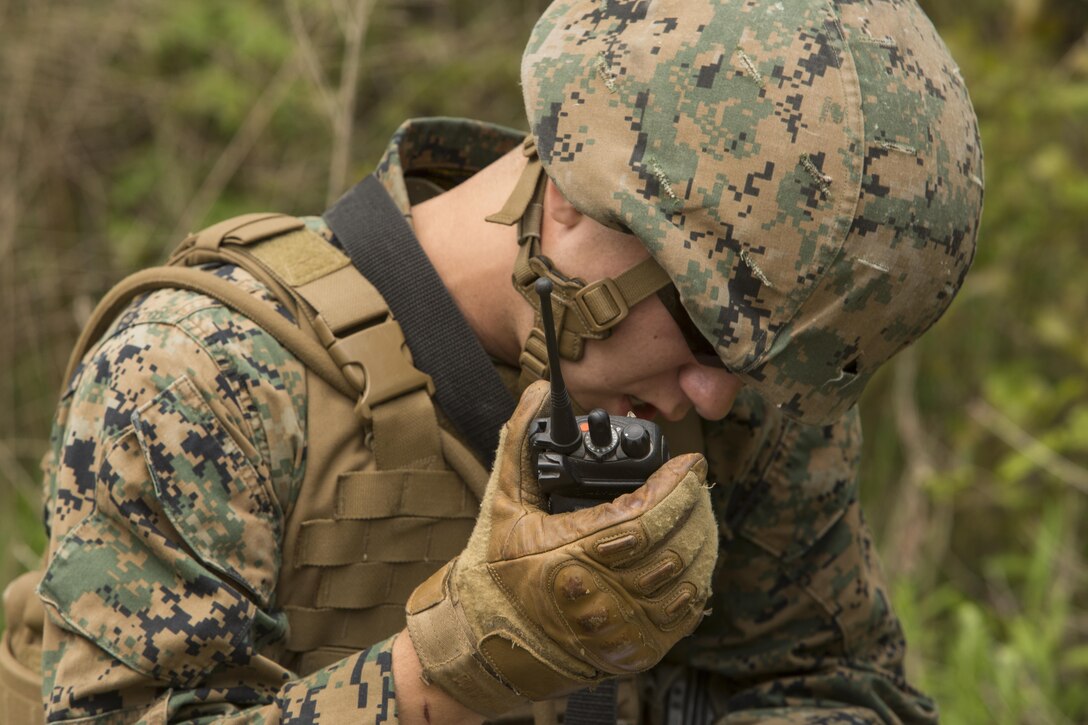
x=119 y=579
x=209 y=489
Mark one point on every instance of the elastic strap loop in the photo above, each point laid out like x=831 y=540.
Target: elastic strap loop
x=532 y=177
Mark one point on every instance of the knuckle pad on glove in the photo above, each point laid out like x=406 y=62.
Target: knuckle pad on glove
x=619 y=545
x=660 y=572
x=595 y=616
x=679 y=607
x=676 y=600
x=672 y=602
x=690 y=543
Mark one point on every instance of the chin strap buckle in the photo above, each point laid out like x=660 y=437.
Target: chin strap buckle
x=600 y=305
x=595 y=308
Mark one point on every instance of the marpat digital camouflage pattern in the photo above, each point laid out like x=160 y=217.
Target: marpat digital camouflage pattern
x=181 y=442
x=808 y=172
x=177 y=448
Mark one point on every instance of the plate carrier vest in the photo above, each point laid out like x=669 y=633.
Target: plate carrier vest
x=388 y=496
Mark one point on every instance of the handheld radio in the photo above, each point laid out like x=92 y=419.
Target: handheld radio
x=589 y=459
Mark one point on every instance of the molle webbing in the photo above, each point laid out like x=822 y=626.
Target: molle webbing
x=401 y=527
x=356 y=566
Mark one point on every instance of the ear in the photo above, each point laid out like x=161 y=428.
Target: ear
x=558 y=208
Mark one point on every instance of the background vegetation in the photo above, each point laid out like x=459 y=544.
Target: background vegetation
x=123 y=126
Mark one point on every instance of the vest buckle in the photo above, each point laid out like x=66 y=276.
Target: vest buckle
x=377 y=362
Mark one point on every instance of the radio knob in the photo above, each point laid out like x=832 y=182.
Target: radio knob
x=600 y=428
x=636 y=441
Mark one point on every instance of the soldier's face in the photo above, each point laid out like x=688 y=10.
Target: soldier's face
x=646 y=364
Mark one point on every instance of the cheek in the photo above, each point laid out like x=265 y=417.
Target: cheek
x=639 y=349
x=644 y=345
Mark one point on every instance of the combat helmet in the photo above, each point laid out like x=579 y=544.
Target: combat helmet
x=808 y=174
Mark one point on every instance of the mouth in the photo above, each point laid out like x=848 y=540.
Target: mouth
x=642 y=409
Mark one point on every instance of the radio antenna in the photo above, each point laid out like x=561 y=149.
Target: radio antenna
x=564 y=428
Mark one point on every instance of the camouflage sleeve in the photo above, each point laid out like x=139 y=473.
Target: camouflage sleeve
x=177 y=448
x=801 y=628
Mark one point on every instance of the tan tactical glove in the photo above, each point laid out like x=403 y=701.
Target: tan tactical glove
x=540 y=605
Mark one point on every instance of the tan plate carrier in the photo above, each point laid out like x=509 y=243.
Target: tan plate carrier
x=388 y=496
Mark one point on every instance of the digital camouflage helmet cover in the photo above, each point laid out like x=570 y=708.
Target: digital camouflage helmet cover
x=807 y=172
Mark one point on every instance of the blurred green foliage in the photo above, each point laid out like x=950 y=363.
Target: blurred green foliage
x=120 y=131
x=976 y=468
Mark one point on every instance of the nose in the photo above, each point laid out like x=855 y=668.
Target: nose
x=711 y=390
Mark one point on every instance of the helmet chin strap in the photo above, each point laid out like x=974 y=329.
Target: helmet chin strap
x=582 y=311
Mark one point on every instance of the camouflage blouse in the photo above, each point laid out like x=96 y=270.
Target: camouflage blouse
x=186 y=426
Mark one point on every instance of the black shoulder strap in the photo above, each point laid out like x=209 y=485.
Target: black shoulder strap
x=385 y=250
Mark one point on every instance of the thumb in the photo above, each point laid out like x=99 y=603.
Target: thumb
x=513 y=459
x=679 y=479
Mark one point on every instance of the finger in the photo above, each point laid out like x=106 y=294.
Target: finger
x=512 y=458
x=639 y=521
x=694 y=550
x=668 y=495
x=613 y=532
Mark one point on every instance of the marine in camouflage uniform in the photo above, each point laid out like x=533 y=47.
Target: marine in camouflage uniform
x=186 y=405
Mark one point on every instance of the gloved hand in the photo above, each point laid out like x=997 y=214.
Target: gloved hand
x=541 y=605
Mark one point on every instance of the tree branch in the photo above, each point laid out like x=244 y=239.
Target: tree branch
x=228 y=162
x=343 y=121
x=1027 y=445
